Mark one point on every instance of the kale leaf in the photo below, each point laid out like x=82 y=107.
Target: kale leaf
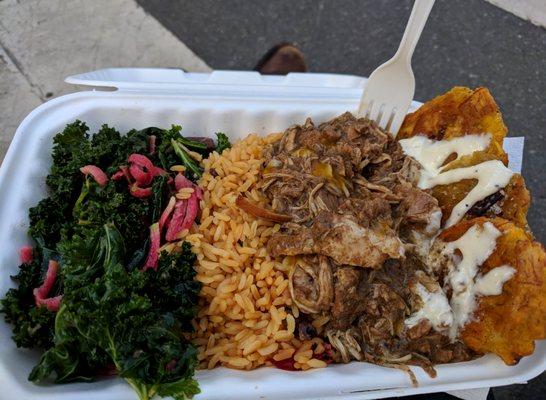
x=131 y=319
x=223 y=142
x=176 y=149
x=32 y=327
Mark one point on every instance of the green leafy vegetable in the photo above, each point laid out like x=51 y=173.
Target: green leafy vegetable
x=114 y=317
x=223 y=142
x=182 y=152
x=175 y=149
x=192 y=144
x=131 y=319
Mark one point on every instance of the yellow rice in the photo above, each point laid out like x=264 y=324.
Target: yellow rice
x=178 y=168
x=246 y=315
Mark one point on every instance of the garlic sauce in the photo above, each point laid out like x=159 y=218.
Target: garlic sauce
x=436 y=309
x=431 y=154
x=476 y=245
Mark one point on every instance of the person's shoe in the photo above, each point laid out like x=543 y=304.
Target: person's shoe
x=282 y=59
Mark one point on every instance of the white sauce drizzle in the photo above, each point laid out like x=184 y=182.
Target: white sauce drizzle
x=476 y=245
x=434 y=223
x=491 y=175
x=432 y=154
x=435 y=308
x=491 y=283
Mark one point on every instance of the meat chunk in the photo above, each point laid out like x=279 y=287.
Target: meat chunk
x=348 y=243
x=341 y=238
x=348 y=298
x=311 y=285
x=418 y=209
x=438 y=349
x=289 y=140
x=306 y=330
x=419 y=330
x=312 y=169
x=409 y=172
x=367 y=210
x=360 y=230
x=298 y=242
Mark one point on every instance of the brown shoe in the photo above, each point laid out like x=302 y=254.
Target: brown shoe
x=282 y=59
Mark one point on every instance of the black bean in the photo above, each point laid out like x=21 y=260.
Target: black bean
x=482 y=206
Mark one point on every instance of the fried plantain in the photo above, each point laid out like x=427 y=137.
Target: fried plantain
x=508 y=324
x=512 y=204
x=463 y=111
x=459 y=112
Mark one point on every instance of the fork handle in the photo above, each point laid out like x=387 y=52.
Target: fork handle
x=418 y=18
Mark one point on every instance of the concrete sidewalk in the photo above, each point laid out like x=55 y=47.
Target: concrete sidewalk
x=533 y=11
x=42 y=42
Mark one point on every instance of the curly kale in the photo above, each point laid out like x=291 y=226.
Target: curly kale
x=32 y=327
x=132 y=320
x=114 y=317
x=223 y=142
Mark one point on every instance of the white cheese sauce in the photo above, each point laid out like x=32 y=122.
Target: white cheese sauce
x=436 y=309
x=491 y=175
x=432 y=154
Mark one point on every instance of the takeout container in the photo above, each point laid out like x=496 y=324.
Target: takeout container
x=236 y=103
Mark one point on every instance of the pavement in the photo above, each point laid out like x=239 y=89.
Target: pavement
x=473 y=43
x=42 y=42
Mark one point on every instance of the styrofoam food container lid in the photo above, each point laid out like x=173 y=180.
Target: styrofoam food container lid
x=236 y=103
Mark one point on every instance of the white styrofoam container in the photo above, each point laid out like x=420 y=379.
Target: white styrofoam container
x=236 y=103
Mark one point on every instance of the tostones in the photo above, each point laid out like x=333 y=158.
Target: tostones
x=509 y=323
x=459 y=112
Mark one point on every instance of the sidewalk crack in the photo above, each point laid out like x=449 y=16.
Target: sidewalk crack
x=33 y=87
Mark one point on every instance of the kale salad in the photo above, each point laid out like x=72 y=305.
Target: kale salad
x=96 y=291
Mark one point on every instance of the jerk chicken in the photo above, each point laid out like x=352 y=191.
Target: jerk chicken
x=358 y=227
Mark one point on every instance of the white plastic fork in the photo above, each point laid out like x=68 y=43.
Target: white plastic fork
x=390 y=88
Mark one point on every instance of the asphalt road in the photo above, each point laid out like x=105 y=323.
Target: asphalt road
x=466 y=42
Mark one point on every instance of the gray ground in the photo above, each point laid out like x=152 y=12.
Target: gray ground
x=468 y=42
